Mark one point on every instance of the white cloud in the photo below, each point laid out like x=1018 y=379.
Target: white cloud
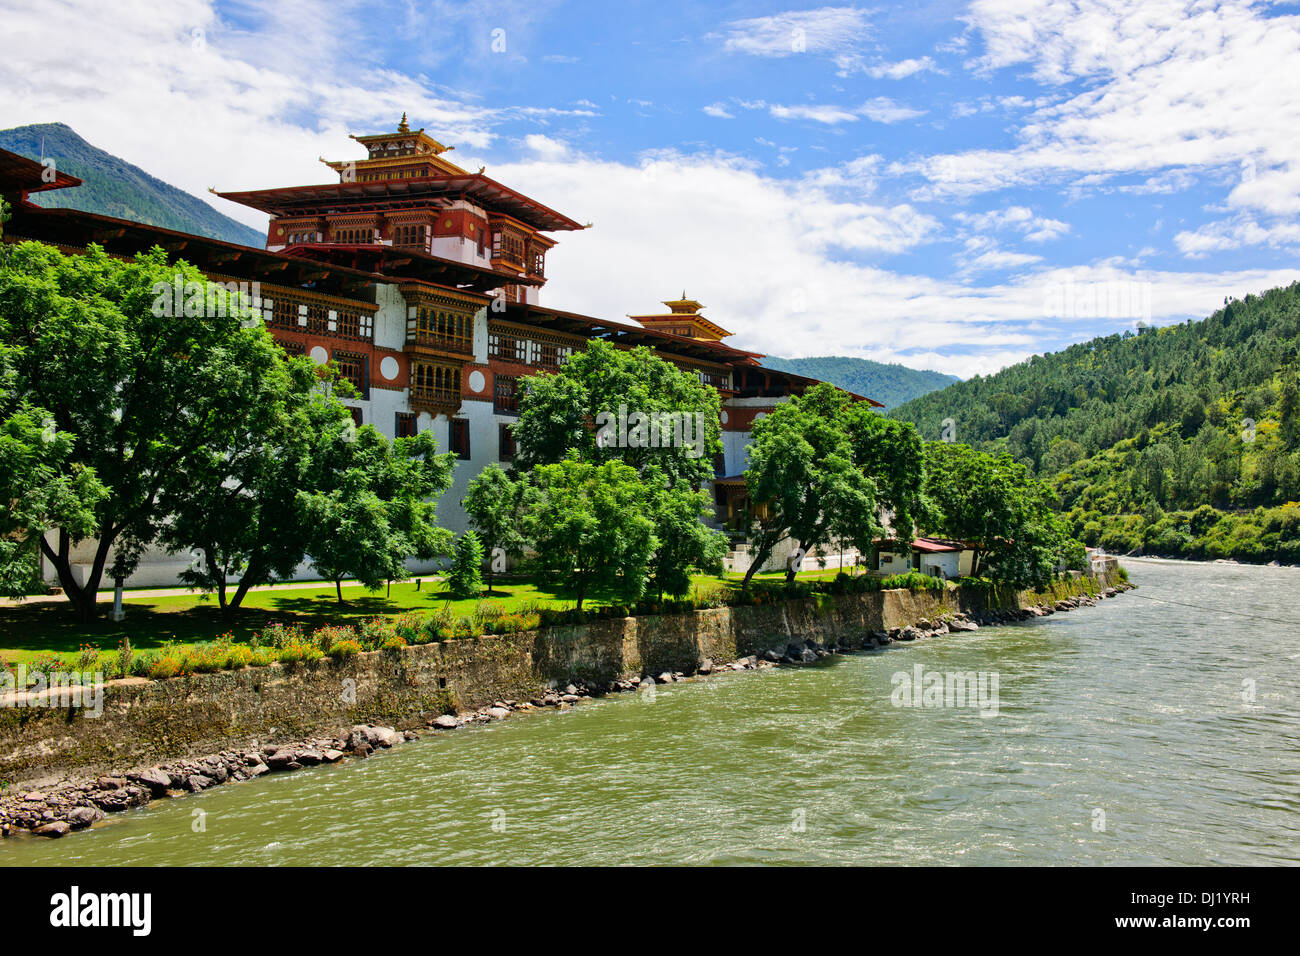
x=788 y=266
x=718 y=111
x=546 y=147
x=1169 y=85
x=1234 y=234
x=883 y=70
x=1018 y=218
x=829 y=115
x=881 y=109
x=138 y=80
x=823 y=30
x=983 y=254
x=884 y=110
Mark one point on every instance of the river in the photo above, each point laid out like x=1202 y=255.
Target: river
x=1142 y=731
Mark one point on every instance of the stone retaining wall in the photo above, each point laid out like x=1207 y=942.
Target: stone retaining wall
x=147 y=721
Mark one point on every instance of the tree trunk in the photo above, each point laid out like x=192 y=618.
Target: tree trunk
x=338 y=589
x=82 y=598
x=759 y=560
x=251 y=574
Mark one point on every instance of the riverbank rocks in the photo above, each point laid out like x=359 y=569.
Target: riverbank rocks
x=81 y=817
x=153 y=778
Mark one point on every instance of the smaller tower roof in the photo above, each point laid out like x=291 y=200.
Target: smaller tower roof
x=685 y=314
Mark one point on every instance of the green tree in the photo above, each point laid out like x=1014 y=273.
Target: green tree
x=995 y=505
x=141 y=393
x=892 y=454
x=802 y=468
x=685 y=542
x=591 y=526
x=629 y=405
x=371 y=504
x=465 y=579
x=240 y=506
x=38 y=488
x=494 y=503
x=576 y=411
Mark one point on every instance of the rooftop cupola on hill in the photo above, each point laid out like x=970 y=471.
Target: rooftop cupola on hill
x=683 y=318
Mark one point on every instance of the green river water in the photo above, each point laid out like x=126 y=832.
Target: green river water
x=1122 y=737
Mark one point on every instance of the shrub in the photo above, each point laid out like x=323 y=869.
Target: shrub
x=87 y=658
x=327 y=637
x=393 y=643
x=122 y=660
x=260 y=657
x=344 y=650
x=46 y=663
x=299 y=651
x=375 y=632
x=465 y=579
x=206 y=658
x=279 y=635
x=241 y=655
x=164 y=666
x=413 y=627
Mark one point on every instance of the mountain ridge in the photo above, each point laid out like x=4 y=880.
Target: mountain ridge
x=113 y=187
x=888 y=383
x=1182 y=440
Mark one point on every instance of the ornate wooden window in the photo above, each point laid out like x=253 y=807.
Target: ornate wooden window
x=411 y=235
x=444 y=329
x=505 y=395
x=441 y=322
x=319 y=314
x=355 y=369
x=506 y=442
x=458 y=437
x=354 y=235
x=404 y=426
x=508 y=245
x=536 y=261
x=433 y=383
x=505 y=347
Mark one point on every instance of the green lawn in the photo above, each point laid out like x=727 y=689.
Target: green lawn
x=29 y=629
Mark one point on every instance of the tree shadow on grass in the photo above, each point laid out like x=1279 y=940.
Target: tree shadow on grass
x=57 y=628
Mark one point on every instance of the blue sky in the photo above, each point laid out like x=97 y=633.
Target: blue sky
x=912 y=183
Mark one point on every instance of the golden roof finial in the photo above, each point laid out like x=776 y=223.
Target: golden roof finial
x=402 y=126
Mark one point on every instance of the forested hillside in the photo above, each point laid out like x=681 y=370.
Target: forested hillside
x=113 y=187
x=888 y=384
x=1180 y=441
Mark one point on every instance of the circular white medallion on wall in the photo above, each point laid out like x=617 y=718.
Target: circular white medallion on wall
x=477 y=382
x=319 y=355
x=760 y=416
x=724 y=416
x=389 y=368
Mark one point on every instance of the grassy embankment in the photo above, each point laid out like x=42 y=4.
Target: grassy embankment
x=38 y=632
